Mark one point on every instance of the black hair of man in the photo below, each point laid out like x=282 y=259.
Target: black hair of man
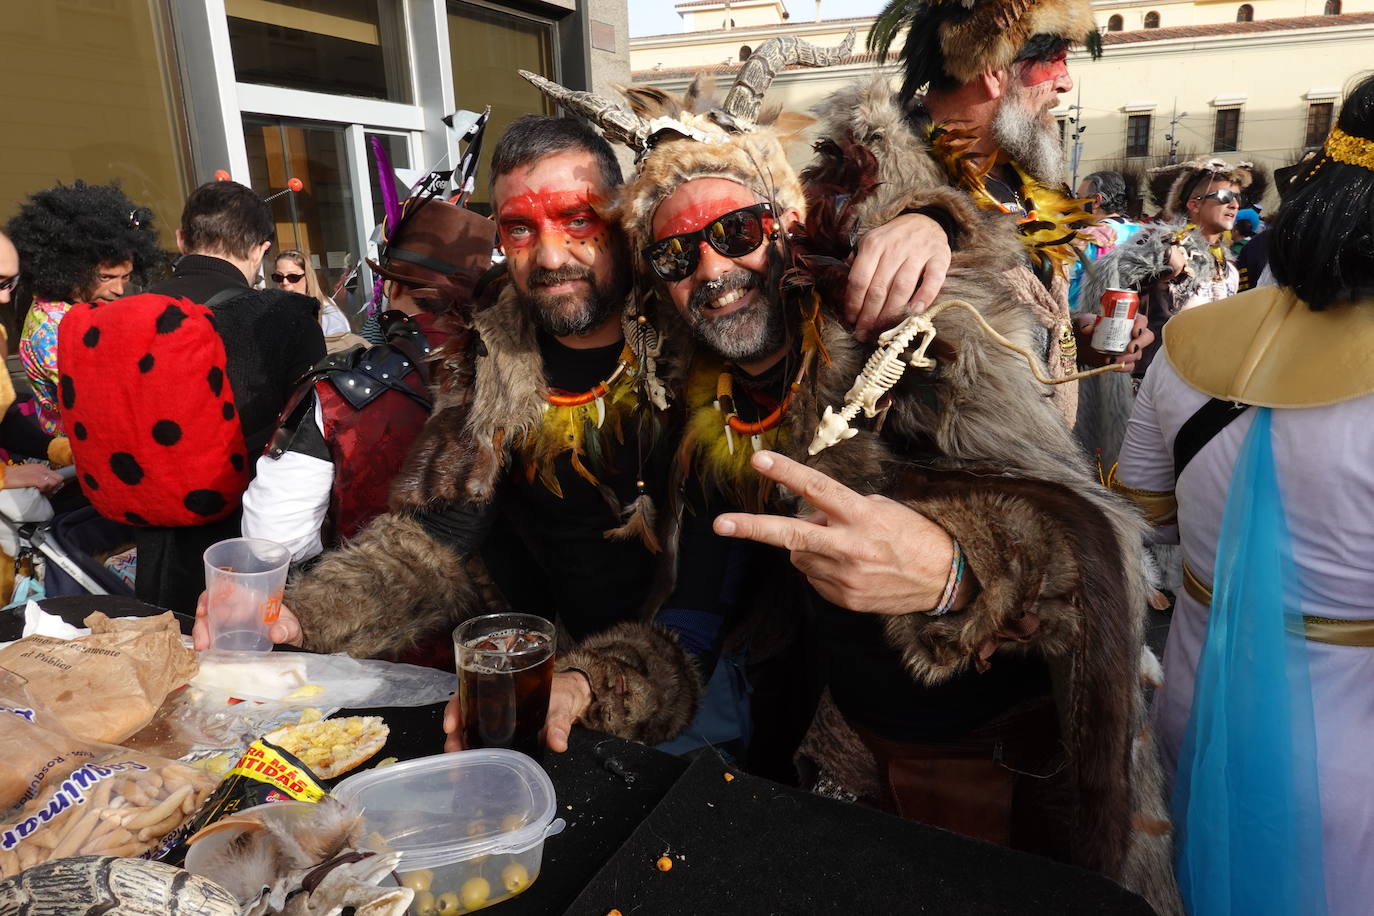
x=1322 y=243
x=1112 y=187
x=64 y=234
x=532 y=137
x=227 y=219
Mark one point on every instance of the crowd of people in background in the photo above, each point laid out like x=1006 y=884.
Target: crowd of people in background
x=822 y=470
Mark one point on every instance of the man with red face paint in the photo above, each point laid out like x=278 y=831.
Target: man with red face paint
x=968 y=594
x=971 y=124
x=542 y=468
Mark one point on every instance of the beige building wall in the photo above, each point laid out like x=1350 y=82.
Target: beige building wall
x=1200 y=60
x=701 y=15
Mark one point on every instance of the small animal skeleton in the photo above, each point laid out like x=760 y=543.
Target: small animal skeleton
x=886 y=367
x=883 y=370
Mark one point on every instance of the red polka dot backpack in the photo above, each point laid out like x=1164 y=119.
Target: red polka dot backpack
x=149 y=411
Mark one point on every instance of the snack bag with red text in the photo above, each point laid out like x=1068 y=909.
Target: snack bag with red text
x=265 y=773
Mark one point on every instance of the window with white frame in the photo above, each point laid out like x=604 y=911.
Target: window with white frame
x=1226 y=131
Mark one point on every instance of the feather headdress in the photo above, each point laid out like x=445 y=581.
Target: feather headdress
x=698 y=136
x=958 y=39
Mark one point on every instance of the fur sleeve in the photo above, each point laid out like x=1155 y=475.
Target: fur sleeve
x=381 y=592
x=644 y=686
x=1047 y=560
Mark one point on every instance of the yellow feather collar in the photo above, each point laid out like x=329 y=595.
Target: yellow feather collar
x=1053 y=220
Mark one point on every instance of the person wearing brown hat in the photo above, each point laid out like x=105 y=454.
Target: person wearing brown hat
x=351 y=421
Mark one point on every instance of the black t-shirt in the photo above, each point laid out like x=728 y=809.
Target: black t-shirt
x=549 y=554
x=592 y=581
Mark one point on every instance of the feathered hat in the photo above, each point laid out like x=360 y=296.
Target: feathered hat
x=696 y=136
x=1194 y=174
x=958 y=39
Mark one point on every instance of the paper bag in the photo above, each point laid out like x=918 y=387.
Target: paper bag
x=105 y=686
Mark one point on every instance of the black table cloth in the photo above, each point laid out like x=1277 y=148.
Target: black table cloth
x=742 y=845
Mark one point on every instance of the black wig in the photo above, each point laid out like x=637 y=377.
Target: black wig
x=1322 y=243
x=65 y=233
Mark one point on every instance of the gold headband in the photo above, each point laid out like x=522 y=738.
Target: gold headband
x=1342 y=147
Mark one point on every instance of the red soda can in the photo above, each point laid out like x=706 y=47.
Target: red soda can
x=1112 y=331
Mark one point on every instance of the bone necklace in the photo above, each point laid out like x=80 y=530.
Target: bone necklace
x=725 y=403
x=598 y=391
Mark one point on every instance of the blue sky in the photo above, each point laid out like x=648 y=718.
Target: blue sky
x=657 y=17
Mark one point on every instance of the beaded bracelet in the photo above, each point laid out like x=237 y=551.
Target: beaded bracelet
x=956 y=575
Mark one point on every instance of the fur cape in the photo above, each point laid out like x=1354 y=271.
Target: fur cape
x=394 y=584
x=1056 y=554
x=869 y=116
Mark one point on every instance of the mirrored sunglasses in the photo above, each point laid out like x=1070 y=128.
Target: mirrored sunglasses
x=734 y=235
x=1223 y=197
x=287 y=278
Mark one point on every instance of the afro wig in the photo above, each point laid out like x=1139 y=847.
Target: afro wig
x=65 y=233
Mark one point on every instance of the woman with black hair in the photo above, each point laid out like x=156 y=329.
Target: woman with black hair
x=1250 y=445
x=77 y=243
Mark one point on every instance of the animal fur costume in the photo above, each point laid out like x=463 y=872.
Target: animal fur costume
x=1141 y=264
x=976 y=446
x=395 y=583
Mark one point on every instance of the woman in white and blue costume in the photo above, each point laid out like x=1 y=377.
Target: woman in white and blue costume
x=1250 y=445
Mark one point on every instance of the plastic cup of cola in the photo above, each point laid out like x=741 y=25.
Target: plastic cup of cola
x=244 y=580
x=505 y=670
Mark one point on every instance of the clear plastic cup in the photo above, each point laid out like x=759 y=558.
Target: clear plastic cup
x=244 y=580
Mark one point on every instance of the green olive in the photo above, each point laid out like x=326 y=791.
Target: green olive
x=425 y=904
x=474 y=892
x=449 y=904
x=419 y=880
x=515 y=877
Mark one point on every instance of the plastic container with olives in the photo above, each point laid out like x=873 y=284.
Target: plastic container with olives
x=470 y=826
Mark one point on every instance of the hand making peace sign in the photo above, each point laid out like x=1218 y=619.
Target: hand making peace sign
x=864 y=553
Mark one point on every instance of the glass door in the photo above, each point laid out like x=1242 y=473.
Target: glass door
x=321 y=218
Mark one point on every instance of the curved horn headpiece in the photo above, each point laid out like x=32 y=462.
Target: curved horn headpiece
x=615 y=121
x=772 y=57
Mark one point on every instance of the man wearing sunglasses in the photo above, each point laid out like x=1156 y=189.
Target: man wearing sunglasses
x=964 y=522
x=540 y=458
x=1185 y=260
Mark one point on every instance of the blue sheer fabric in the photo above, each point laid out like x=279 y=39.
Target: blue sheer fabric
x=1246 y=811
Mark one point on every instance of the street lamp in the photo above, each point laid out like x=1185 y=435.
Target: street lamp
x=1172 y=135
x=1078 y=129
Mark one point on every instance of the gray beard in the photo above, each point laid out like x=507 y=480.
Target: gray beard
x=1024 y=137
x=750 y=333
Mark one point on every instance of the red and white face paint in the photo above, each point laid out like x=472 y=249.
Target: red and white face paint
x=1035 y=72
x=559 y=249
x=549 y=216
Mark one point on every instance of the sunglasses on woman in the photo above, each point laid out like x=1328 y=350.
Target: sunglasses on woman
x=736 y=234
x=8 y=284
x=287 y=278
x=1223 y=196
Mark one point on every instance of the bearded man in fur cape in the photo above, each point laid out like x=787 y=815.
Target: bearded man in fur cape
x=980 y=133
x=979 y=593
x=535 y=486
